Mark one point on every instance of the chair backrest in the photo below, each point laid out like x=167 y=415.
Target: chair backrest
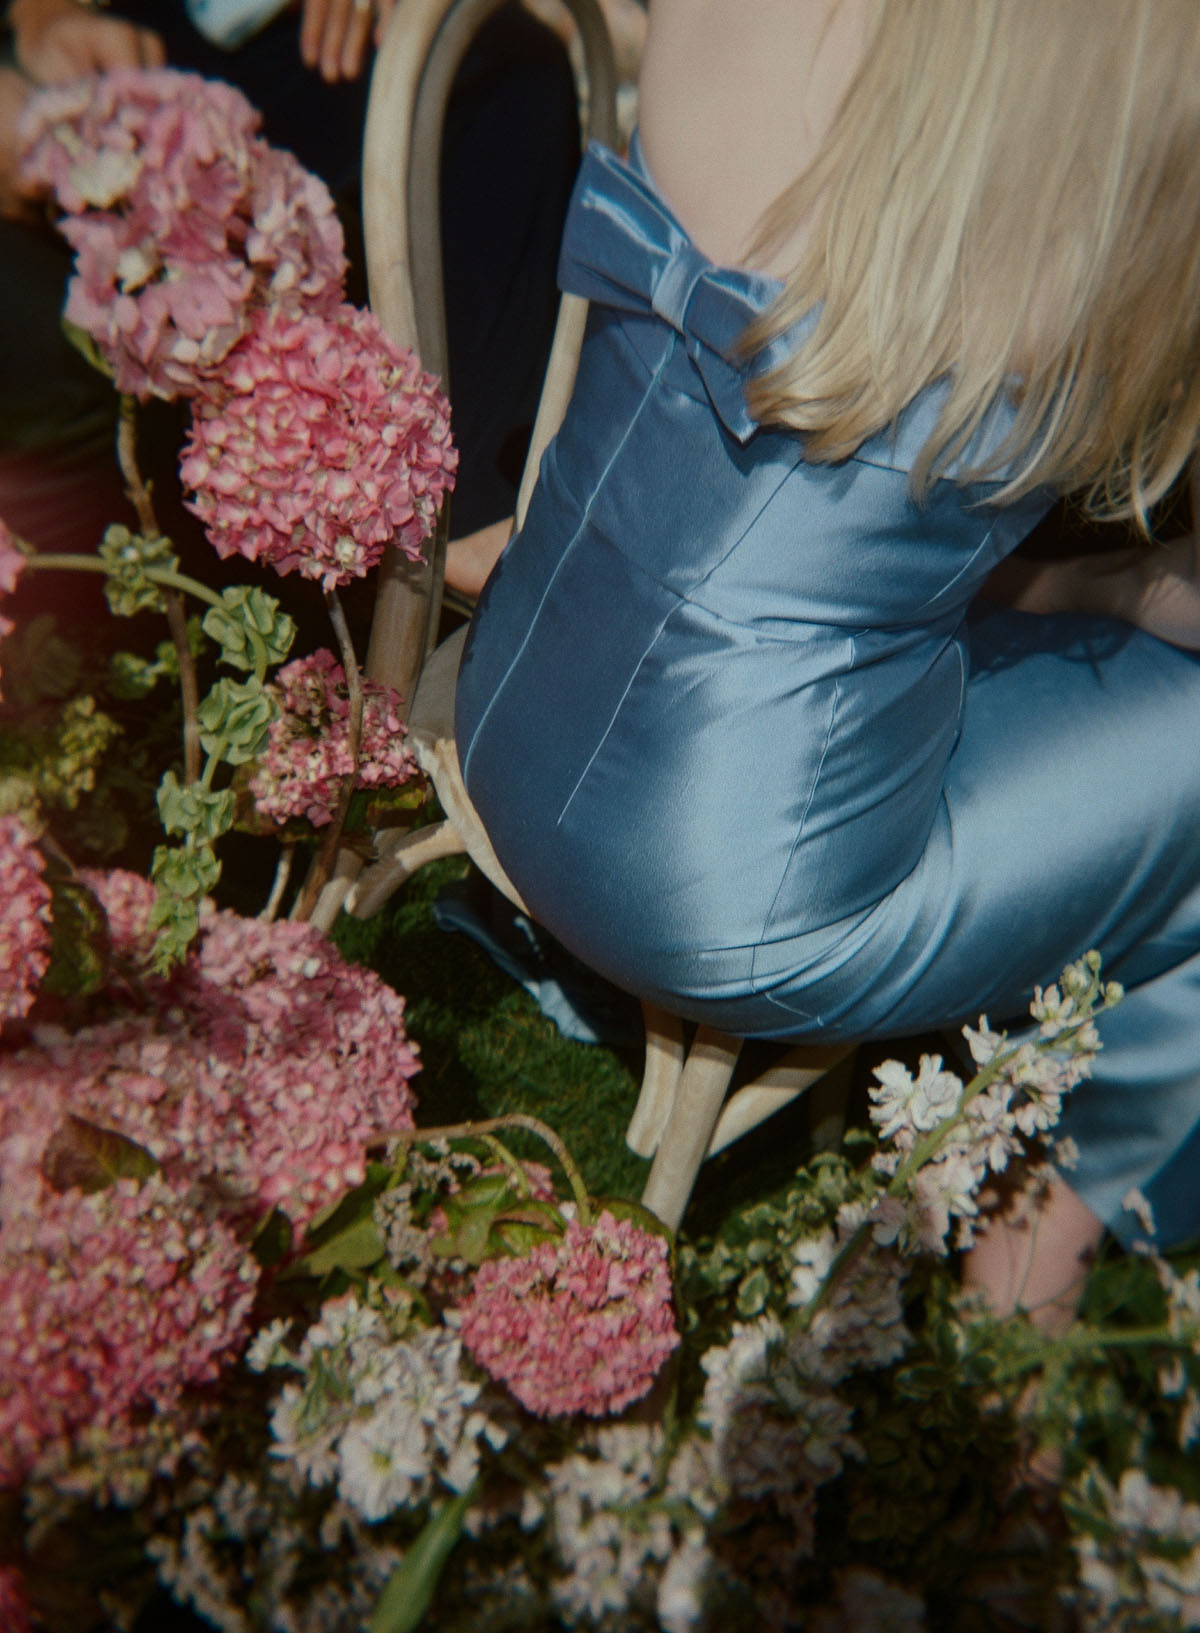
x=410 y=87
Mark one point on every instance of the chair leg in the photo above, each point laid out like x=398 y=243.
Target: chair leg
x=694 y=1112
x=401 y=860
x=799 y=1070
x=660 y=1079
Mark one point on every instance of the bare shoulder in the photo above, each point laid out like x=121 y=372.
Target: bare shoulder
x=736 y=96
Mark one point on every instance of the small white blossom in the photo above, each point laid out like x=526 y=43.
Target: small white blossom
x=607 y=1546
x=680 y=1605
x=813 y=1256
x=383 y=1461
x=1136 y=1203
x=268 y=1347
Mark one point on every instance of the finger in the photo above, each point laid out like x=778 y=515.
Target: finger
x=338 y=24
x=112 y=44
x=153 y=51
x=312 y=30
x=354 y=42
x=383 y=16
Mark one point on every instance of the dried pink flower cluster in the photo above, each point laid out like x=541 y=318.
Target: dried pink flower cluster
x=308 y=750
x=582 y=1324
x=253 y=1078
x=24 y=919
x=181 y=218
x=12 y=561
x=111 y=1302
x=268 y=1062
x=329 y=445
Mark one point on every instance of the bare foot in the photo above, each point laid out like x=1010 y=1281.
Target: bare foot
x=1035 y=1256
x=469 y=560
x=1156 y=587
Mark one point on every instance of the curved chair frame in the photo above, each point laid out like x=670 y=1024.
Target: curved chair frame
x=682 y=1113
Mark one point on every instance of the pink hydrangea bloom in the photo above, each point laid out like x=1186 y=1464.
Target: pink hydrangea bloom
x=181 y=219
x=254 y=1076
x=582 y=1324
x=12 y=561
x=269 y=1063
x=24 y=919
x=329 y=445
x=156 y=1296
x=308 y=751
x=92 y=142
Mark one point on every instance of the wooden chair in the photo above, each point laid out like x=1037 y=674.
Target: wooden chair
x=682 y=1113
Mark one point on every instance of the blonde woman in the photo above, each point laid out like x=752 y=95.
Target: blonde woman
x=880 y=278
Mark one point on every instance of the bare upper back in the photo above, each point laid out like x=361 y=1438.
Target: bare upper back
x=736 y=96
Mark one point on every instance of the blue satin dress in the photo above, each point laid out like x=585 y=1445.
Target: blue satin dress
x=745 y=745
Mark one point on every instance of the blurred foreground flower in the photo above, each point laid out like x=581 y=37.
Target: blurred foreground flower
x=329 y=444
x=182 y=221
x=582 y=1324
x=138 y=1156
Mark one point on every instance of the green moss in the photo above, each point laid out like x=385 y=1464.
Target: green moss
x=486 y=1048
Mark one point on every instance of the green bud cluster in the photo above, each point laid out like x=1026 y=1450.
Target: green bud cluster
x=129 y=558
x=251 y=629
x=234 y=720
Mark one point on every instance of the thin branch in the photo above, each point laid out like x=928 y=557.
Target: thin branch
x=136 y=490
x=283 y=872
x=322 y=865
x=514 y=1119
x=139 y=497
x=51 y=561
x=189 y=690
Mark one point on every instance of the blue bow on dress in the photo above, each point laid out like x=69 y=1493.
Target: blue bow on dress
x=623 y=248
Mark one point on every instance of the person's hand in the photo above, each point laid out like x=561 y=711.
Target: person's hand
x=14 y=93
x=57 y=41
x=334 y=34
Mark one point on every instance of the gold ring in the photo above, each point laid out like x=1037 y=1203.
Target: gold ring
x=362 y=6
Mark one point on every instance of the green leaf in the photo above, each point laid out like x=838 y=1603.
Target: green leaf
x=79 y=945
x=83 y=1156
x=234 y=719
x=128 y=557
x=250 y=627
x=272 y=1241
x=130 y=676
x=38 y=662
x=519 y=1236
x=406 y=1598
x=190 y=808
x=753 y=1293
x=182 y=873
x=354 y=1248
x=355 y=1205
x=469 y=1231
x=87 y=348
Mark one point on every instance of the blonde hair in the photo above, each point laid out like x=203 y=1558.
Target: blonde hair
x=1008 y=196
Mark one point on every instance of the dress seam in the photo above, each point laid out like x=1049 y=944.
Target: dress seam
x=585 y=516
x=800 y=826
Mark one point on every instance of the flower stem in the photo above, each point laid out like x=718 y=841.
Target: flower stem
x=283 y=872
x=322 y=865
x=189 y=690
x=514 y=1119
x=139 y=497
x=137 y=491
x=60 y=562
